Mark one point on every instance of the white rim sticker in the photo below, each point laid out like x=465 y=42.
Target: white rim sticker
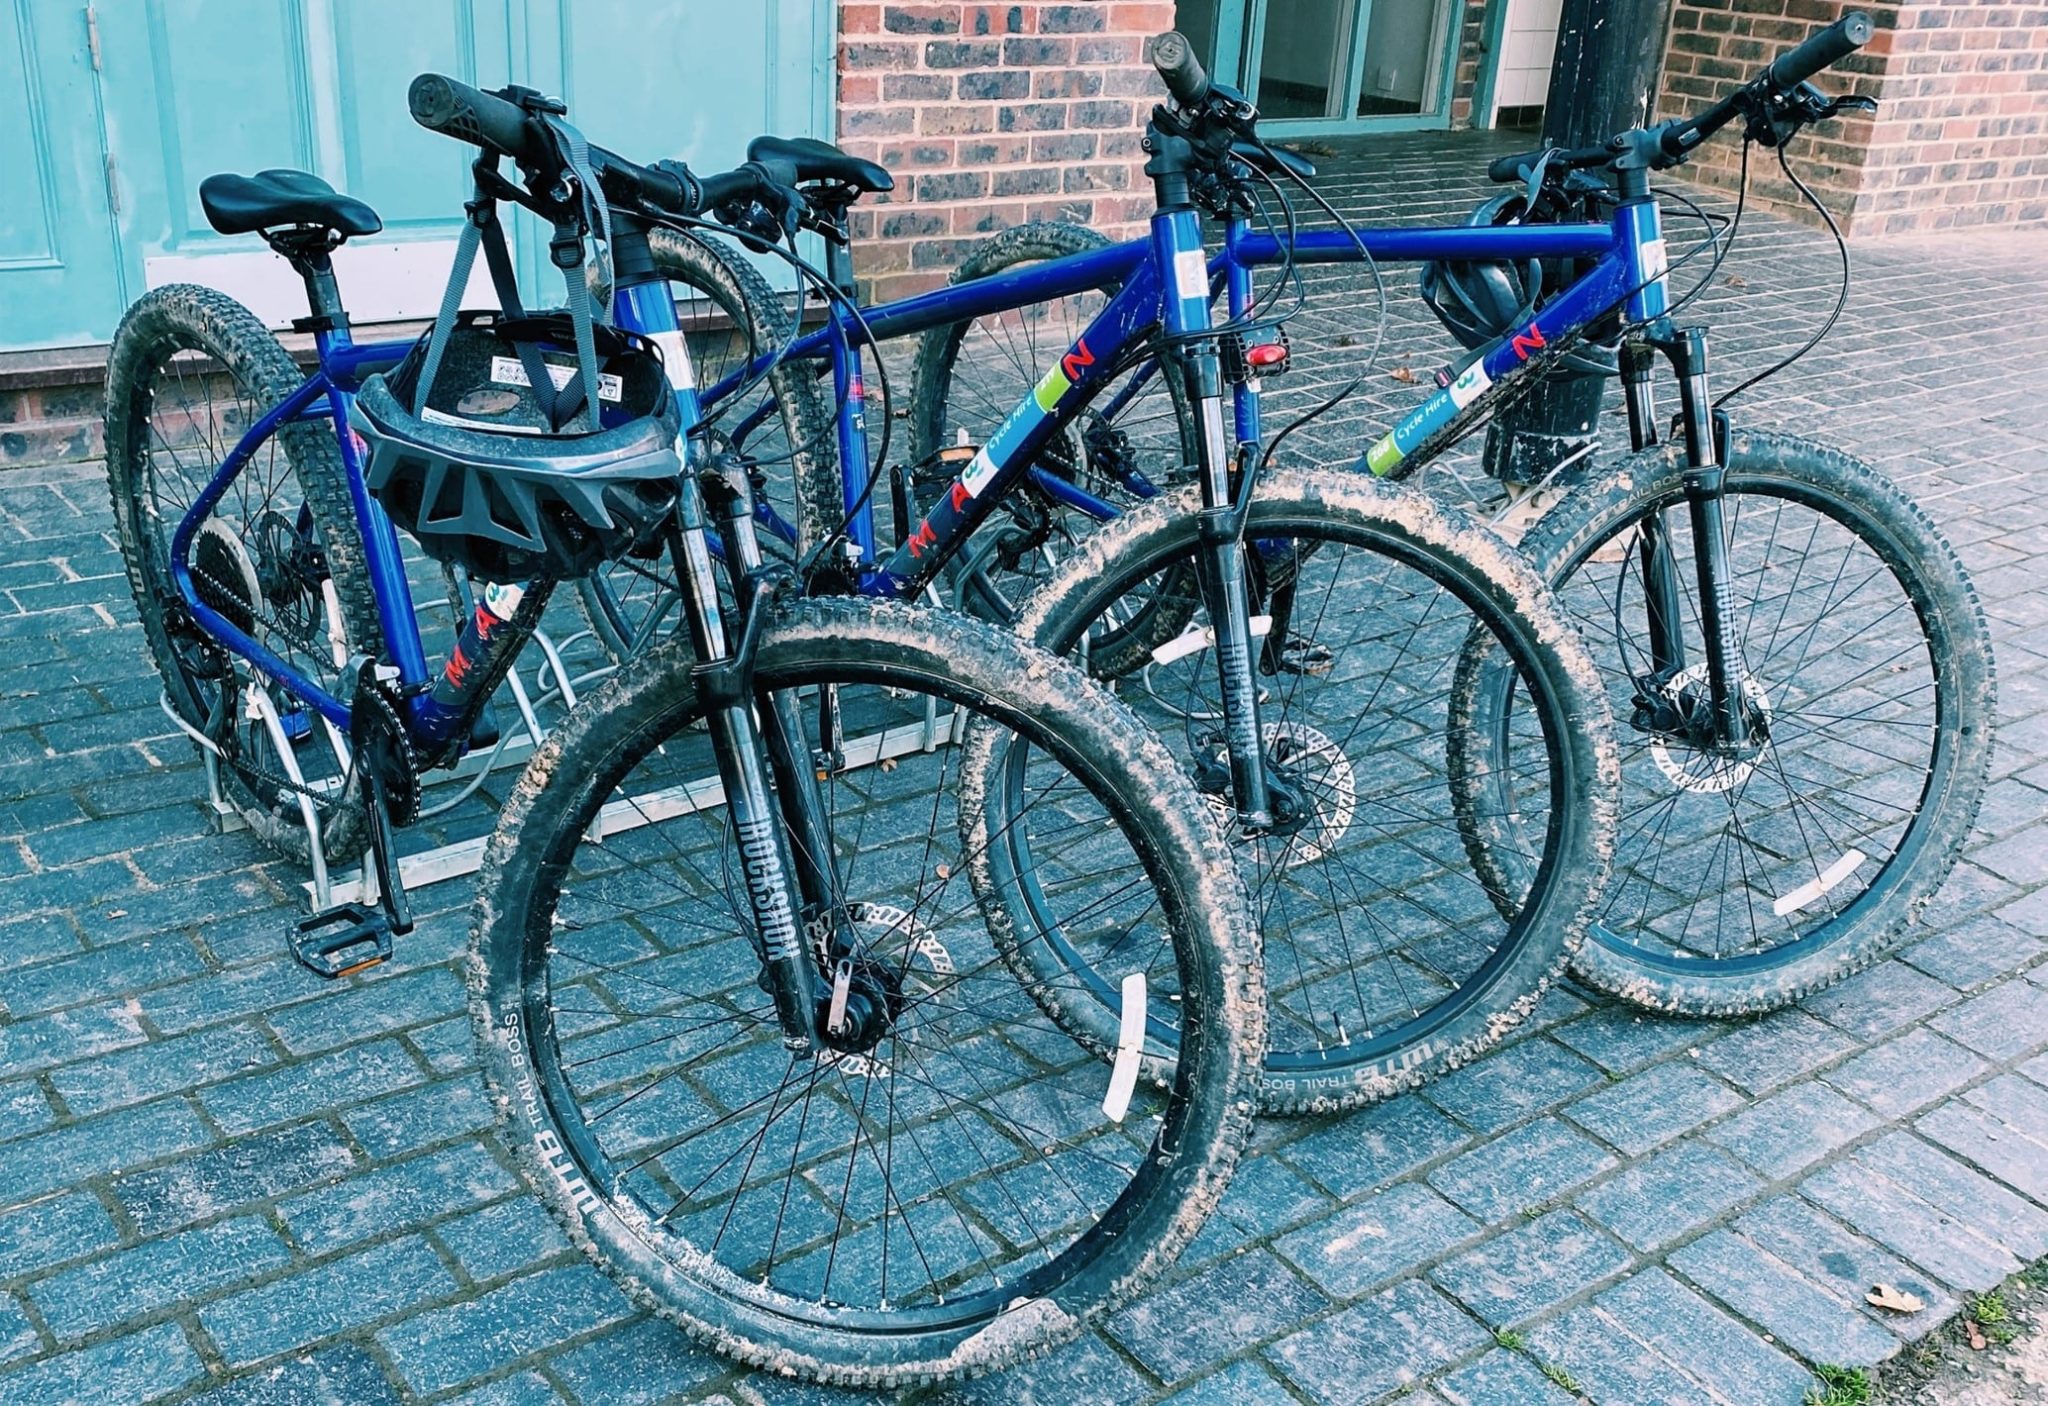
x=1814 y=889
x=1200 y=637
x=1130 y=1045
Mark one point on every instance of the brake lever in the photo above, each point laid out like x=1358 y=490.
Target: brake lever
x=1777 y=121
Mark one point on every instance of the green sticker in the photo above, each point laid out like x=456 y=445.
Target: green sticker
x=1048 y=391
x=1383 y=457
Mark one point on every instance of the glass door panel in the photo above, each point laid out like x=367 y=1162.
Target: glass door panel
x=1305 y=59
x=1403 y=58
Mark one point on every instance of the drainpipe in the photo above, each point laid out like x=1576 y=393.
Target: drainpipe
x=1603 y=81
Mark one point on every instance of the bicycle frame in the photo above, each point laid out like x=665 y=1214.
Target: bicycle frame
x=1628 y=264
x=324 y=396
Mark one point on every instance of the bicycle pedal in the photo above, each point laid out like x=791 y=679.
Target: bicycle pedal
x=342 y=941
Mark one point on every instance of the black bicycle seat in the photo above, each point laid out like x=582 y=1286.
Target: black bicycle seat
x=1280 y=160
x=814 y=160
x=271 y=199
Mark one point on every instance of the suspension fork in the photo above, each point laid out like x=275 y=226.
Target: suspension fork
x=730 y=497
x=1703 y=428
x=723 y=680
x=1663 y=603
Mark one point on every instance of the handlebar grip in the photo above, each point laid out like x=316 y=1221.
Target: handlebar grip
x=1178 y=67
x=728 y=186
x=453 y=108
x=1511 y=168
x=1840 y=39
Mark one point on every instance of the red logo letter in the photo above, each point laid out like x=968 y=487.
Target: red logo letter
x=1074 y=360
x=1526 y=342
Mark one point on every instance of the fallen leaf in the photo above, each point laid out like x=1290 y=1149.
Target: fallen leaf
x=1976 y=1335
x=117 y=912
x=1404 y=374
x=1736 y=280
x=1897 y=1300
x=944 y=871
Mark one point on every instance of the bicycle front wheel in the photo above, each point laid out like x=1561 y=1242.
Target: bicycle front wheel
x=1388 y=958
x=1748 y=877
x=956 y=1182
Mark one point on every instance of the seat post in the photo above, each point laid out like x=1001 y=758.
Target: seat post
x=309 y=250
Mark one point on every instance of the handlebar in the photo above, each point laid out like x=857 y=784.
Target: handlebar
x=1674 y=139
x=502 y=127
x=1174 y=57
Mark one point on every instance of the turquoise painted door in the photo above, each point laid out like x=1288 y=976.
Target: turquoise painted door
x=59 y=277
x=198 y=86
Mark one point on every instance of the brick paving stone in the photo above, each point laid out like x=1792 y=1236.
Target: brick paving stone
x=1380 y=1238
x=1368 y=1351
x=1610 y=1366
x=1374 y=1146
x=1502 y=1379
x=389 y=1198
x=47 y=1232
x=341 y=1375
x=327 y=1300
x=1979 y=951
x=519 y=1389
x=1759 y=1055
x=1237 y=1303
x=1516 y=1276
x=1793 y=1129
x=141 y=1367
x=1506 y=1086
x=18 y=1336
x=1087 y=1369
x=2000 y=1149
x=1649 y=1109
x=1706 y=1343
x=228 y=1177
x=2008 y=1020
x=502 y=1239
x=418 y=1117
x=372 y=1009
x=645 y=1362
x=1846 y=1264
x=1618 y=1037
x=24 y=1109
x=29 y=1045
x=1653 y=1203
x=1521 y=1170
x=1986 y=1207
x=1901 y=1221
x=1794 y=1310
x=1909 y=1072
x=66 y=1156
x=1880 y=1000
x=99 y=975
x=1240 y=1384
x=445 y=1347
x=144 y=1072
x=347 y=1076
x=156 y=1274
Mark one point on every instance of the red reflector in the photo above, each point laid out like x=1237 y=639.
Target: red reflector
x=1268 y=355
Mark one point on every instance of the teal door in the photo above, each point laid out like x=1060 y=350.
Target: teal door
x=60 y=279
x=192 y=87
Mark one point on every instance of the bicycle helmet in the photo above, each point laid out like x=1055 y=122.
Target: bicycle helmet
x=485 y=443
x=1480 y=300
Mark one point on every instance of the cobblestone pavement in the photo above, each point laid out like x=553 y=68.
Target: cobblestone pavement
x=225 y=1182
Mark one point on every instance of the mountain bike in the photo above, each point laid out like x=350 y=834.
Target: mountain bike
x=734 y=969
x=1797 y=655
x=1390 y=956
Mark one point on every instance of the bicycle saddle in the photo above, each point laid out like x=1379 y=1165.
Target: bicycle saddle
x=814 y=160
x=268 y=199
x=1252 y=155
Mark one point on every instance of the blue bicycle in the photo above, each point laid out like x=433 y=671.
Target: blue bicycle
x=1797 y=653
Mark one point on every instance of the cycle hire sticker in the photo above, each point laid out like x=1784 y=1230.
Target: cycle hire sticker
x=1130 y=1045
x=508 y=372
x=1191 y=275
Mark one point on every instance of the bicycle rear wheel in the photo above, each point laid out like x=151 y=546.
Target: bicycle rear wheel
x=189 y=371
x=957 y=1183
x=1388 y=958
x=1744 y=881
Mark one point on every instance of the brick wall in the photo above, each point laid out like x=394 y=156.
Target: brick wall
x=1961 y=133
x=989 y=116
